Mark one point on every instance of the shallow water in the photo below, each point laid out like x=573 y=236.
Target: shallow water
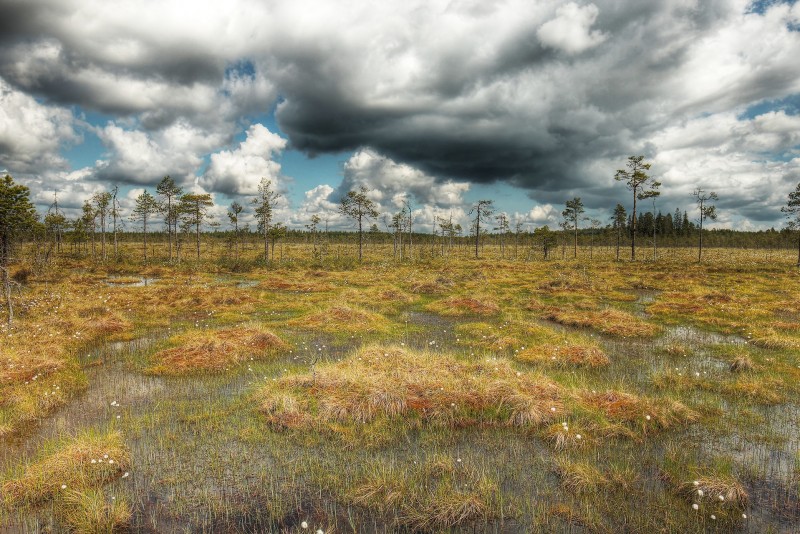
x=198 y=467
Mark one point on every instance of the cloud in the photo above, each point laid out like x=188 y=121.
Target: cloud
x=138 y=157
x=32 y=134
x=549 y=96
x=395 y=183
x=571 y=30
x=239 y=171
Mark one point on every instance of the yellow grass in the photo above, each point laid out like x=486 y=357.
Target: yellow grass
x=464 y=306
x=608 y=321
x=341 y=317
x=84 y=462
x=215 y=350
x=564 y=356
x=391 y=382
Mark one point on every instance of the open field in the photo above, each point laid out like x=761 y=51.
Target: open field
x=433 y=395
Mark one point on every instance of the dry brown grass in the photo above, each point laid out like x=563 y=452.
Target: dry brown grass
x=723 y=491
x=741 y=364
x=609 y=321
x=107 y=325
x=341 y=317
x=304 y=285
x=380 y=382
x=215 y=350
x=641 y=413
x=431 y=286
x=464 y=306
x=769 y=339
x=85 y=462
x=564 y=356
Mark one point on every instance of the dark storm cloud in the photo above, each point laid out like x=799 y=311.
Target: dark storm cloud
x=547 y=96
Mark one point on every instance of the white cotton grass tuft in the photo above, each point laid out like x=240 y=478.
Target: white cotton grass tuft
x=695 y=506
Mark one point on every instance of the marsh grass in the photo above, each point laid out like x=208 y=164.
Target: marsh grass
x=212 y=452
x=609 y=321
x=215 y=350
x=91 y=511
x=392 y=382
x=342 y=318
x=87 y=461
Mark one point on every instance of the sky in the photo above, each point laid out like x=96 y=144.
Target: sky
x=435 y=102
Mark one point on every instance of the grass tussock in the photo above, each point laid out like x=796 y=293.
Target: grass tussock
x=32 y=385
x=439 y=494
x=608 y=321
x=770 y=339
x=431 y=286
x=742 y=364
x=394 y=383
x=565 y=356
x=85 y=462
x=579 y=477
x=215 y=351
x=487 y=336
x=641 y=413
x=341 y=317
x=723 y=491
x=91 y=512
x=464 y=306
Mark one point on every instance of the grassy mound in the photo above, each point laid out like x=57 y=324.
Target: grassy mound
x=341 y=317
x=464 y=306
x=86 y=462
x=392 y=383
x=608 y=321
x=215 y=351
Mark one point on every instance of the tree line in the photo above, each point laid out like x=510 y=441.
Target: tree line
x=186 y=216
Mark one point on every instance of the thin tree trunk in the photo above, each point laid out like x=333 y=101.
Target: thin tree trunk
x=360 y=238
x=144 y=231
x=477 y=233
x=633 y=229
x=575 y=251
x=700 y=251
x=197 y=233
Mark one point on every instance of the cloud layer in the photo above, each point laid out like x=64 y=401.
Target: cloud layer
x=429 y=96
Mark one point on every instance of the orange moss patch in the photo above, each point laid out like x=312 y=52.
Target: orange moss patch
x=394 y=383
x=215 y=351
